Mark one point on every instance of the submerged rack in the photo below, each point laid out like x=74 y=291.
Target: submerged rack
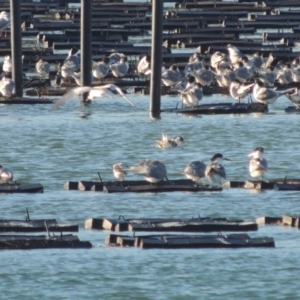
x=10 y=188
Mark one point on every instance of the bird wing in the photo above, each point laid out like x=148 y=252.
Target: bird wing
x=122 y=94
x=70 y=95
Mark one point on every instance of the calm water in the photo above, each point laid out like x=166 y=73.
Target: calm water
x=55 y=147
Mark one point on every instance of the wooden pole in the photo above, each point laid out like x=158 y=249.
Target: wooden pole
x=86 y=44
x=16 y=46
x=156 y=58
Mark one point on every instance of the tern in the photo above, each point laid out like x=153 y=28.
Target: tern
x=295 y=97
x=120 y=68
x=267 y=95
x=165 y=142
x=6 y=174
x=7 y=64
x=43 y=68
x=215 y=172
x=235 y=55
x=144 y=65
x=171 y=76
x=192 y=94
x=195 y=170
x=153 y=171
x=73 y=57
x=205 y=76
x=118 y=171
x=238 y=91
x=257 y=165
x=105 y=91
x=7 y=86
x=100 y=69
x=4 y=21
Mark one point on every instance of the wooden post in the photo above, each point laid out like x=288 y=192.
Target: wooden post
x=16 y=46
x=86 y=44
x=156 y=58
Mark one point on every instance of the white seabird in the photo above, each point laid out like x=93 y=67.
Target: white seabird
x=7 y=86
x=73 y=57
x=295 y=97
x=100 y=69
x=235 y=55
x=257 y=165
x=215 y=172
x=267 y=95
x=153 y=171
x=144 y=65
x=165 y=142
x=4 y=21
x=105 y=91
x=43 y=68
x=205 y=76
x=120 y=68
x=192 y=94
x=195 y=170
x=118 y=170
x=171 y=76
x=6 y=174
x=238 y=91
x=7 y=64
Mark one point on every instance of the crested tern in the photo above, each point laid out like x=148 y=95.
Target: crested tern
x=4 y=21
x=118 y=170
x=257 y=165
x=120 y=68
x=7 y=64
x=295 y=97
x=238 y=91
x=195 y=170
x=171 y=76
x=153 y=171
x=100 y=69
x=165 y=142
x=7 y=86
x=6 y=174
x=105 y=91
x=43 y=68
x=215 y=172
x=192 y=94
x=267 y=95
x=73 y=57
x=144 y=65
x=205 y=76
x=235 y=55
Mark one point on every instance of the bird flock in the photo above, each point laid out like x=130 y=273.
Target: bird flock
x=155 y=171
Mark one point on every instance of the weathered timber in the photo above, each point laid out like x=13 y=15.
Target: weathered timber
x=35 y=226
x=168 y=225
x=221 y=108
x=205 y=13
x=269 y=220
x=293 y=221
x=24 y=242
x=10 y=188
x=159 y=188
x=262 y=24
x=217 y=30
x=172 y=241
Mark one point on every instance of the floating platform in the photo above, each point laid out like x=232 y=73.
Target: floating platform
x=221 y=108
x=168 y=225
x=10 y=188
x=25 y=100
x=25 y=242
x=285 y=220
x=179 y=241
x=292 y=110
x=140 y=186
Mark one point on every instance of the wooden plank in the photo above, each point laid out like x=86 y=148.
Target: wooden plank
x=10 y=188
x=93 y=223
x=269 y=220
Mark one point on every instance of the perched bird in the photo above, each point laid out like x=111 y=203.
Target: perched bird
x=268 y=62
x=7 y=86
x=43 y=68
x=225 y=77
x=215 y=171
x=7 y=64
x=238 y=91
x=258 y=165
x=285 y=76
x=115 y=57
x=100 y=69
x=217 y=59
x=295 y=97
x=120 y=68
x=268 y=77
x=73 y=57
x=235 y=55
x=266 y=95
x=256 y=60
x=6 y=174
x=192 y=94
x=118 y=171
x=165 y=142
x=195 y=170
x=105 y=91
x=68 y=69
x=4 y=21
x=195 y=63
x=242 y=73
x=205 y=76
x=171 y=76
x=151 y=170
x=144 y=65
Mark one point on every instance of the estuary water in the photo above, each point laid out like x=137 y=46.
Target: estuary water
x=75 y=142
